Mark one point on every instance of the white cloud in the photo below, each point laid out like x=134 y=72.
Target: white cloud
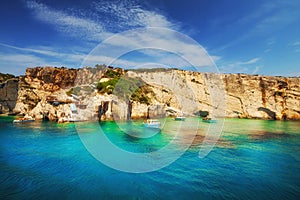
x=38 y=51
x=231 y=68
x=16 y=59
x=248 y=67
x=107 y=15
x=49 y=53
x=17 y=63
x=249 y=62
x=266 y=19
x=105 y=18
x=28 y=60
x=162 y=46
x=21 y=59
x=297 y=43
x=294 y=46
x=256 y=69
x=119 y=62
x=129 y=14
x=71 y=24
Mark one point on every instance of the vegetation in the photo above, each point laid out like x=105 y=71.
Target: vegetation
x=75 y=91
x=100 y=67
x=140 y=95
x=153 y=69
x=5 y=77
x=195 y=81
x=96 y=69
x=113 y=73
x=108 y=86
x=126 y=88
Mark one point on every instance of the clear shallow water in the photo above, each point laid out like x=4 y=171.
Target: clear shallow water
x=254 y=159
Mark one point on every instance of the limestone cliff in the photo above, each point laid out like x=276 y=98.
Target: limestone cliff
x=47 y=92
x=8 y=95
x=262 y=97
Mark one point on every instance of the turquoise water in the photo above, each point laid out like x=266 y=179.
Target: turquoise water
x=253 y=159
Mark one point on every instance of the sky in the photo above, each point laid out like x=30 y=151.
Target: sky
x=253 y=37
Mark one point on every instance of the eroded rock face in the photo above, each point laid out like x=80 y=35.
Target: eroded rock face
x=8 y=95
x=49 y=78
x=173 y=91
x=262 y=97
x=244 y=96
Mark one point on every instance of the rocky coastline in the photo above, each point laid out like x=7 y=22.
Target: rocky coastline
x=62 y=94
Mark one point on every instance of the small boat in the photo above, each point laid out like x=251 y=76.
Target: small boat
x=24 y=119
x=68 y=119
x=152 y=123
x=179 y=118
x=209 y=120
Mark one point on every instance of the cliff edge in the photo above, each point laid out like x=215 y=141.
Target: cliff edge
x=90 y=93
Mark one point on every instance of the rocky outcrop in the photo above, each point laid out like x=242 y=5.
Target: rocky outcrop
x=166 y=93
x=8 y=95
x=49 y=78
x=262 y=97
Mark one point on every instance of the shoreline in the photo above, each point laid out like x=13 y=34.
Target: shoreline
x=54 y=93
x=140 y=119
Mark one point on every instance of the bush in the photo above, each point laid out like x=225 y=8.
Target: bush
x=75 y=91
x=108 y=86
x=140 y=95
x=112 y=73
x=127 y=88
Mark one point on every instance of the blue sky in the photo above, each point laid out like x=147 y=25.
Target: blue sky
x=254 y=37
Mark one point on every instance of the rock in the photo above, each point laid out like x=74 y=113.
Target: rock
x=170 y=92
x=50 y=78
x=8 y=95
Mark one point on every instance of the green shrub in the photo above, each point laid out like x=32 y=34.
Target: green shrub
x=140 y=95
x=107 y=87
x=75 y=91
x=126 y=88
x=112 y=73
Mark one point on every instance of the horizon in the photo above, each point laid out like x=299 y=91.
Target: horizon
x=171 y=68
x=258 y=37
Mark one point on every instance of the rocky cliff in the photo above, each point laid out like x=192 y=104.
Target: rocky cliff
x=8 y=94
x=113 y=93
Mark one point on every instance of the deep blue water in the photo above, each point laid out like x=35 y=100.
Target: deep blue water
x=254 y=159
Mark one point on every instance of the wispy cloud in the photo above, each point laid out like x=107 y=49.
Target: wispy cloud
x=297 y=43
x=280 y=14
x=160 y=45
x=129 y=14
x=249 y=62
x=38 y=51
x=71 y=24
x=110 y=17
x=250 y=66
x=295 y=46
x=16 y=59
x=75 y=57
x=266 y=19
x=17 y=63
x=270 y=43
x=256 y=69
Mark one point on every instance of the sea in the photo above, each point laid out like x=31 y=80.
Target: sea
x=252 y=159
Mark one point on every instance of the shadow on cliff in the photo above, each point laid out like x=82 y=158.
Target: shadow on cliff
x=8 y=96
x=202 y=113
x=268 y=111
